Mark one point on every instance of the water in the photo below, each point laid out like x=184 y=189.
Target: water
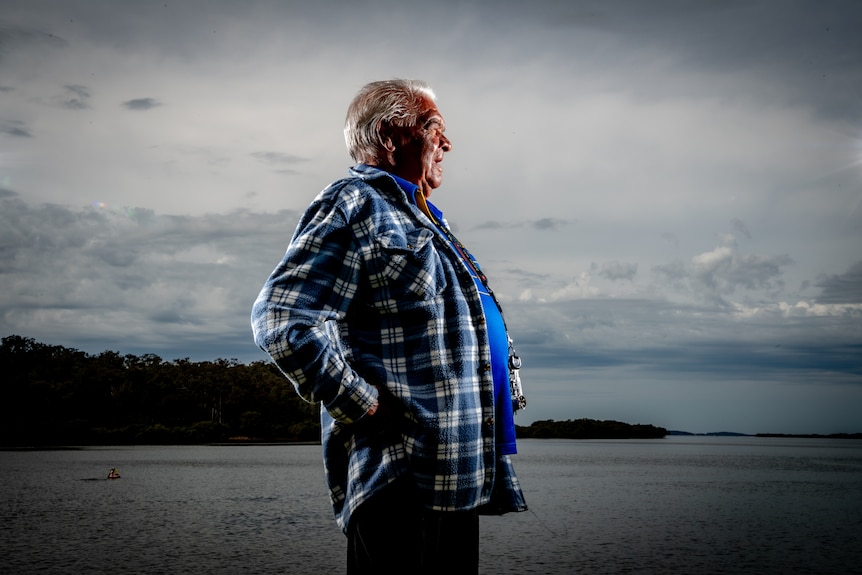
x=683 y=505
x=687 y=505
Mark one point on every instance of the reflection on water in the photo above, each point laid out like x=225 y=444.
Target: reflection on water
x=255 y=509
x=679 y=505
x=687 y=505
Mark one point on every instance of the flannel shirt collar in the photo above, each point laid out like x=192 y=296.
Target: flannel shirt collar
x=410 y=189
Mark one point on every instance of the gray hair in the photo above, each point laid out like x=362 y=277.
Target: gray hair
x=396 y=102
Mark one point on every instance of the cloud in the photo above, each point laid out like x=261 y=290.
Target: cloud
x=280 y=159
x=494 y=225
x=21 y=39
x=547 y=223
x=795 y=54
x=136 y=277
x=842 y=288
x=77 y=97
x=740 y=227
x=541 y=224
x=15 y=128
x=719 y=273
x=618 y=271
x=580 y=287
x=637 y=355
x=671 y=238
x=141 y=104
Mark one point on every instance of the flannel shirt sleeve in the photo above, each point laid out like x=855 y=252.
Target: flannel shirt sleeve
x=295 y=318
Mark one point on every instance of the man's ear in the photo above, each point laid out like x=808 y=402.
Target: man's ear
x=386 y=134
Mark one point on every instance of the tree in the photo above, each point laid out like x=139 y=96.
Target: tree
x=57 y=395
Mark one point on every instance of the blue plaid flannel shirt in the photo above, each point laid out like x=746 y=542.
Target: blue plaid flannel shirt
x=370 y=294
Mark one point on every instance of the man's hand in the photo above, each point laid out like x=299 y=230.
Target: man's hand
x=383 y=407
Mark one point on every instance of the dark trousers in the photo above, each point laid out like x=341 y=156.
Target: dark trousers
x=391 y=533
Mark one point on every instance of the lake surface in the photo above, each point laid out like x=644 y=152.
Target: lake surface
x=684 y=505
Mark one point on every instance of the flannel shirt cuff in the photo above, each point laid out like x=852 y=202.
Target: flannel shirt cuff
x=353 y=403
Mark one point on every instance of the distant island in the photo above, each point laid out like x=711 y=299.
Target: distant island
x=588 y=429
x=711 y=434
x=813 y=435
x=791 y=435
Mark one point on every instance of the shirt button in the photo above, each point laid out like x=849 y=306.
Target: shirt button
x=485 y=367
x=489 y=422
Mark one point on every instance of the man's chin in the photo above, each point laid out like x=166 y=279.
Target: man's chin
x=432 y=185
x=434 y=181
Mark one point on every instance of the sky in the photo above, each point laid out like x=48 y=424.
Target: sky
x=666 y=196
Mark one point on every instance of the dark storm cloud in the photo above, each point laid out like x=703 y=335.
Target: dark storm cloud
x=811 y=53
x=278 y=158
x=842 y=288
x=15 y=128
x=753 y=271
x=541 y=224
x=187 y=29
x=593 y=333
x=742 y=359
x=547 y=223
x=13 y=39
x=725 y=359
x=77 y=97
x=282 y=162
x=185 y=282
x=618 y=270
x=493 y=225
x=141 y=104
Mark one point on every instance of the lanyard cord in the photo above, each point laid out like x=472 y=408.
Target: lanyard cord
x=465 y=254
x=514 y=364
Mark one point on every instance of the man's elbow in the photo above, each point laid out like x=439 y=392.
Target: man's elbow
x=261 y=320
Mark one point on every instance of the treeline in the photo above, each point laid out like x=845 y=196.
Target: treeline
x=53 y=395
x=589 y=429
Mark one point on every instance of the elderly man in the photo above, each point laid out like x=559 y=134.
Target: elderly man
x=380 y=314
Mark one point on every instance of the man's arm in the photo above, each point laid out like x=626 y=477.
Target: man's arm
x=295 y=318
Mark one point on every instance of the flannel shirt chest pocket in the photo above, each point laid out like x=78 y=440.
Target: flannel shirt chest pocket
x=406 y=269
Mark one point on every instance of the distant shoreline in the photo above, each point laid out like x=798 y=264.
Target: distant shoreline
x=287 y=442
x=787 y=435
x=264 y=443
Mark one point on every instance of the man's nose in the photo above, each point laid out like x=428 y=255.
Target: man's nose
x=445 y=143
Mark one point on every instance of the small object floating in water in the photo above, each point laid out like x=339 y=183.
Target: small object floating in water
x=113 y=474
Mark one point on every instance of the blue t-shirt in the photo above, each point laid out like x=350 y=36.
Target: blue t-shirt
x=499 y=340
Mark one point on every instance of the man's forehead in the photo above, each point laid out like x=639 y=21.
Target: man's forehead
x=430 y=112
